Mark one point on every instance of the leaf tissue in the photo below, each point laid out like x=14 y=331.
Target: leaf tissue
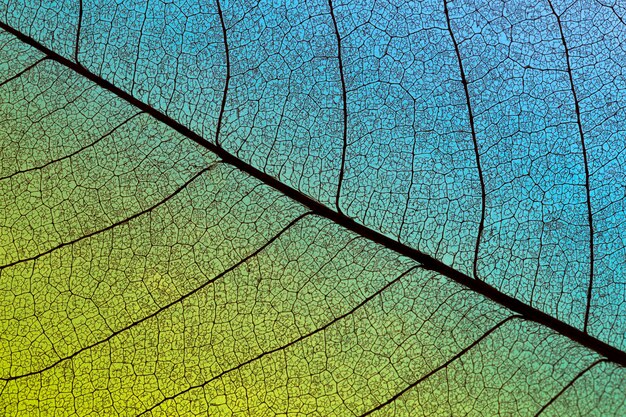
x=314 y=208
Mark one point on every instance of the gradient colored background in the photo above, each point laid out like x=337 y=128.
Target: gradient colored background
x=139 y=273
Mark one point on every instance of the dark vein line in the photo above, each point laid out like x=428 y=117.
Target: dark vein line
x=114 y=225
x=344 y=97
x=569 y=384
x=530 y=313
x=22 y=72
x=165 y=307
x=278 y=127
x=227 y=81
x=440 y=367
x=287 y=345
x=76 y=152
x=538 y=267
x=620 y=18
x=587 y=175
x=412 y=181
x=80 y=22
x=143 y=22
x=470 y=114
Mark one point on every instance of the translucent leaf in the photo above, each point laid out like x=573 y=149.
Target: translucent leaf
x=320 y=208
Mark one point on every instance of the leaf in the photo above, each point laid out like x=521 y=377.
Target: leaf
x=179 y=182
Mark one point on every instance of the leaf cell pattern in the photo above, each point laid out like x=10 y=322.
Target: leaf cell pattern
x=144 y=274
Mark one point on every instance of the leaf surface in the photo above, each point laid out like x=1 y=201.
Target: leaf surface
x=388 y=209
